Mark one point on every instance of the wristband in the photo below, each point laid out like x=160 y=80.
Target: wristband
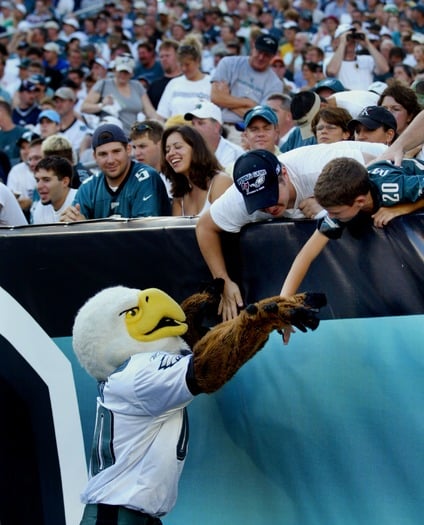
x=320 y=215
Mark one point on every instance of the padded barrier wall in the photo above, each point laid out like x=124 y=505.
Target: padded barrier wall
x=326 y=430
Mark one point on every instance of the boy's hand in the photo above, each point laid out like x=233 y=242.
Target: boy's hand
x=310 y=208
x=384 y=215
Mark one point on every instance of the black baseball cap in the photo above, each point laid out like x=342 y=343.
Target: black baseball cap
x=107 y=133
x=28 y=136
x=373 y=117
x=266 y=43
x=256 y=178
x=27 y=85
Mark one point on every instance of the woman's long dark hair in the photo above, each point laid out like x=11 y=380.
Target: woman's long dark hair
x=204 y=165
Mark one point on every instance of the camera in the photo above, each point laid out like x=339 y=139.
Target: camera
x=354 y=35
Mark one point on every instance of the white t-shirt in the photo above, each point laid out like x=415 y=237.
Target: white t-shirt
x=356 y=74
x=21 y=180
x=181 y=95
x=303 y=167
x=76 y=133
x=227 y=152
x=11 y=213
x=46 y=214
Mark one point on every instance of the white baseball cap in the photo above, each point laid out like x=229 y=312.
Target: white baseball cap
x=341 y=29
x=51 y=24
x=52 y=46
x=205 y=109
x=377 y=87
x=101 y=61
x=71 y=22
x=124 y=63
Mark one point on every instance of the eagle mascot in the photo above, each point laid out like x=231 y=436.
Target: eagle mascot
x=150 y=357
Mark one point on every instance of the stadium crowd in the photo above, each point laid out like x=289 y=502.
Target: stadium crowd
x=155 y=104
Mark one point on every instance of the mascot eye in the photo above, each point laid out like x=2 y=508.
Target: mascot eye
x=131 y=312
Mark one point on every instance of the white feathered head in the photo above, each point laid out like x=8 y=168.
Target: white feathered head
x=119 y=322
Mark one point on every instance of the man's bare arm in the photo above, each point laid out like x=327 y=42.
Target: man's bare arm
x=209 y=239
x=412 y=137
x=221 y=96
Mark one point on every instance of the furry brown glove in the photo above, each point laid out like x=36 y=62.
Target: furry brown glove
x=227 y=346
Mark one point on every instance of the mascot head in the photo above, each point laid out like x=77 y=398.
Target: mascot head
x=119 y=322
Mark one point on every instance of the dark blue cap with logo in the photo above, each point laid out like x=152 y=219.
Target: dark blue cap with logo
x=26 y=85
x=266 y=43
x=37 y=79
x=256 y=178
x=374 y=117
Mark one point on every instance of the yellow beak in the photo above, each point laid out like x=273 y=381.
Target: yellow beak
x=156 y=316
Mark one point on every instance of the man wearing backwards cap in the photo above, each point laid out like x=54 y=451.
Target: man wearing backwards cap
x=206 y=117
x=241 y=82
x=304 y=106
x=123 y=188
x=267 y=187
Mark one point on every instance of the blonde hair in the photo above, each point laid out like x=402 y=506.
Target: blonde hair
x=59 y=146
x=190 y=47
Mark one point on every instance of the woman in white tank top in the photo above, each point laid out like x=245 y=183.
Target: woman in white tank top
x=195 y=174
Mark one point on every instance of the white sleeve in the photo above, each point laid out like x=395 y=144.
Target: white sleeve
x=13 y=180
x=10 y=211
x=372 y=148
x=164 y=104
x=229 y=212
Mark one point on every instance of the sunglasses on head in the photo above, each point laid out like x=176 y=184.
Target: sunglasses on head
x=140 y=127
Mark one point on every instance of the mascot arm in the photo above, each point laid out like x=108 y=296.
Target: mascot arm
x=201 y=311
x=227 y=346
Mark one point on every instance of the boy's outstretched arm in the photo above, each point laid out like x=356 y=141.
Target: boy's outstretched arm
x=310 y=250
x=385 y=214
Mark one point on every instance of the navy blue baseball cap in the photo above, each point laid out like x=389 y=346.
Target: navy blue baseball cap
x=256 y=178
x=107 y=133
x=37 y=79
x=373 y=117
x=264 y=112
x=28 y=136
x=266 y=43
